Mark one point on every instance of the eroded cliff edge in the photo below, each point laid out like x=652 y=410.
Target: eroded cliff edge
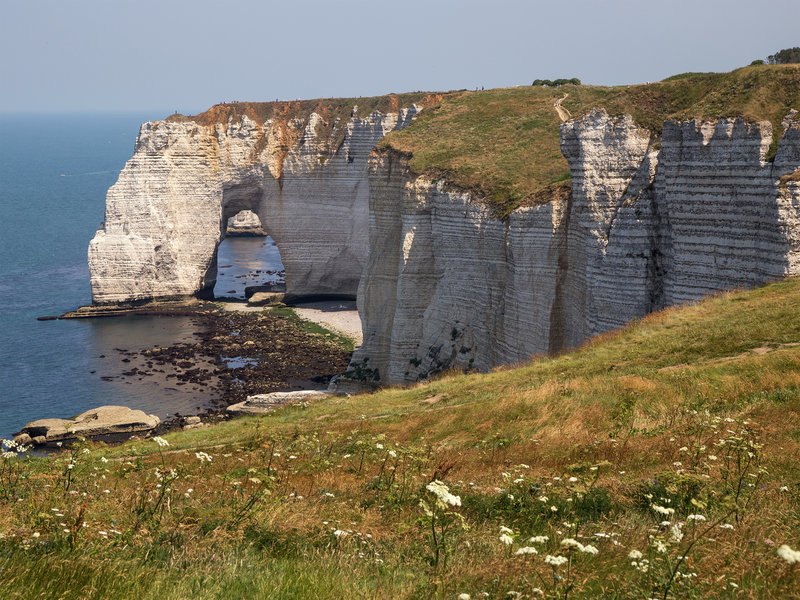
x=650 y=222
x=303 y=172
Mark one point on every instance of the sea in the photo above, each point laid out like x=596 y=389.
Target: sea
x=55 y=170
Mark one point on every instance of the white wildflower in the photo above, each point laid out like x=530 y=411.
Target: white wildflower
x=538 y=539
x=555 y=561
x=662 y=510
x=676 y=534
x=504 y=529
x=695 y=518
x=463 y=597
x=789 y=555
x=339 y=533
x=635 y=554
x=442 y=493
x=160 y=441
x=526 y=550
x=506 y=539
x=589 y=549
x=203 y=457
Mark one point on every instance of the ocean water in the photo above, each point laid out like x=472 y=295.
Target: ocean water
x=54 y=174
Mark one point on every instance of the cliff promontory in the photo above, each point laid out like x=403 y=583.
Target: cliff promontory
x=300 y=166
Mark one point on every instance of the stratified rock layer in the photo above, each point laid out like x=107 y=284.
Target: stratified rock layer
x=447 y=285
x=166 y=214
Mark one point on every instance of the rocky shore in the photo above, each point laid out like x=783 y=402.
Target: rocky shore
x=237 y=354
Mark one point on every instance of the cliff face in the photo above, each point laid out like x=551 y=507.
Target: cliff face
x=447 y=285
x=167 y=212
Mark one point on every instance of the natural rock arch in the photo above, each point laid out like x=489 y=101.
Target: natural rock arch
x=166 y=214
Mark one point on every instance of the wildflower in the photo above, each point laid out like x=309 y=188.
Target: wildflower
x=573 y=479
x=442 y=493
x=463 y=597
x=726 y=526
x=538 y=539
x=393 y=454
x=379 y=446
x=555 y=561
x=635 y=554
x=571 y=543
x=161 y=441
x=504 y=529
x=589 y=549
x=506 y=539
x=662 y=510
x=783 y=488
x=526 y=550
x=103 y=459
x=695 y=518
x=543 y=499
x=661 y=547
x=339 y=533
x=203 y=457
x=553 y=509
x=676 y=534
x=789 y=555
x=36 y=534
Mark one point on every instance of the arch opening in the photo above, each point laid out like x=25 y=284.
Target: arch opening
x=248 y=259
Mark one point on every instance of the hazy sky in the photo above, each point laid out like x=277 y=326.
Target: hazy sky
x=167 y=55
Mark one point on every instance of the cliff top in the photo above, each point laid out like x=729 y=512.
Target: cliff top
x=504 y=143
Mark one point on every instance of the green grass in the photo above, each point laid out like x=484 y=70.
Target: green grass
x=646 y=406
x=345 y=342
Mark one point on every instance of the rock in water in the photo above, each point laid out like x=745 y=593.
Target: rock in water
x=97 y=421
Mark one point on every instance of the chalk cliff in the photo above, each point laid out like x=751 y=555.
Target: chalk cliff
x=649 y=223
x=166 y=214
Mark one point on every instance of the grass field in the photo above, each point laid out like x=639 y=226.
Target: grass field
x=659 y=461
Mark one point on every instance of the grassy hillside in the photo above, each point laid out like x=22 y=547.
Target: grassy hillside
x=660 y=461
x=504 y=143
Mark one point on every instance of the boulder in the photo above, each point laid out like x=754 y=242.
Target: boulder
x=266 y=298
x=23 y=439
x=264 y=403
x=97 y=421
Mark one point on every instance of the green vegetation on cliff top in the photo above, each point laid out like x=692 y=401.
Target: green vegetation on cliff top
x=504 y=143
x=690 y=416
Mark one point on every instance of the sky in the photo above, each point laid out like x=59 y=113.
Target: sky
x=179 y=55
